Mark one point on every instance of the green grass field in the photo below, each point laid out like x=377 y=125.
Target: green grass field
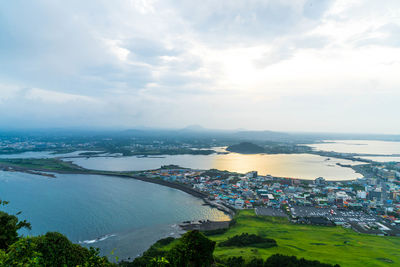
x=326 y=244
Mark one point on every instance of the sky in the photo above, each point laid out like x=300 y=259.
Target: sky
x=285 y=65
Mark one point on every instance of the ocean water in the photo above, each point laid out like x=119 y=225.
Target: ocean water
x=111 y=213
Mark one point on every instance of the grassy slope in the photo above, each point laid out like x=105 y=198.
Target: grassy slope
x=326 y=244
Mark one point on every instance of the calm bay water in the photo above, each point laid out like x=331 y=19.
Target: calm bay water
x=359 y=146
x=363 y=147
x=128 y=214
x=304 y=166
x=383 y=159
x=39 y=155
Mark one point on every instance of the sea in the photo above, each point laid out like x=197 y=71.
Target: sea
x=114 y=214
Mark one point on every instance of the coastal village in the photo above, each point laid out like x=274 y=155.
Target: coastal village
x=367 y=205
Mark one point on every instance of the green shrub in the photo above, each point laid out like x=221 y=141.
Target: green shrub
x=215 y=232
x=9 y=226
x=246 y=239
x=193 y=250
x=278 y=260
x=52 y=249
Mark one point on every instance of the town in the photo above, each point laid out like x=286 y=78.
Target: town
x=367 y=205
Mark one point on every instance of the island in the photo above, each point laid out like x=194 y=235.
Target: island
x=246 y=148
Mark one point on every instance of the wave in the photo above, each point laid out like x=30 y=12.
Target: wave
x=101 y=238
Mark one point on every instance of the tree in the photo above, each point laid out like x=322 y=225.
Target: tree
x=9 y=226
x=278 y=260
x=52 y=249
x=194 y=250
x=235 y=262
x=158 y=262
x=255 y=262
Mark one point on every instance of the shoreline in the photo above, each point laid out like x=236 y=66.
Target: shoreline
x=82 y=170
x=184 y=188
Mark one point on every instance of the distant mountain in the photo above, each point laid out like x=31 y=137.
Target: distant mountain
x=194 y=128
x=246 y=148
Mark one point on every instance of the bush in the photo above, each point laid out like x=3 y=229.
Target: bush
x=276 y=260
x=165 y=241
x=279 y=260
x=246 y=239
x=52 y=249
x=255 y=263
x=9 y=226
x=215 y=232
x=235 y=262
x=193 y=250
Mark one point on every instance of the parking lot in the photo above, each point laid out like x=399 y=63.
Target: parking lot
x=333 y=215
x=268 y=211
x=358 y=220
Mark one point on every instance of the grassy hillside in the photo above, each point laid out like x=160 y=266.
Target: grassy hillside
x=326 y=244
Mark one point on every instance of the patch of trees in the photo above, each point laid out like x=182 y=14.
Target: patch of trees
x=193 y=249
x=247 y=240
x=215 y=232
x=276 y=260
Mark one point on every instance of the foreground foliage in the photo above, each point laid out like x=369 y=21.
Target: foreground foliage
x=276 y=260
x=9 y=226
x=192 y=249
x=51 y=249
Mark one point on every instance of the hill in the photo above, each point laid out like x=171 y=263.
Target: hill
x=246 y=148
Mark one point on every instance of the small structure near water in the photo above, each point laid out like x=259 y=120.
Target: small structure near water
x=204 y=225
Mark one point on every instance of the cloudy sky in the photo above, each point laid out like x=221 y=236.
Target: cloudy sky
x=289 y=65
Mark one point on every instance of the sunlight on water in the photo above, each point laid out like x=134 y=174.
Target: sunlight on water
x=305 y=166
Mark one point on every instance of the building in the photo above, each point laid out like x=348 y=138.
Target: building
x=375 y=195
x=320 y=181
x=239 y=203
x=252 y=174
x=361 y=194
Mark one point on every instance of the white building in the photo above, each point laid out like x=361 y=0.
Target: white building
x=361 y=194
x=239 y=203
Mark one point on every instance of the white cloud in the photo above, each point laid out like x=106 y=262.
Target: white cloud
x=8 y=91
x=36 y=94
x=172 y=63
